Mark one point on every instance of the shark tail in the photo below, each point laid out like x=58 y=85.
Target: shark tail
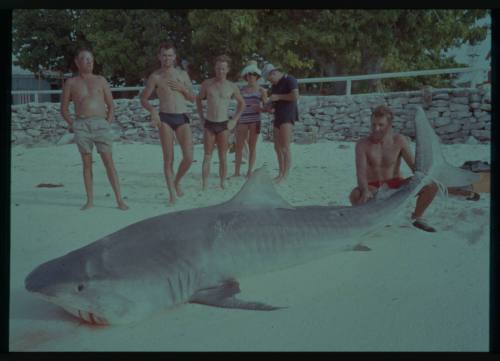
x=432 y=163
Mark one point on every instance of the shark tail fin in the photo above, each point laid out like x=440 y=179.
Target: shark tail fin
x=431 y=161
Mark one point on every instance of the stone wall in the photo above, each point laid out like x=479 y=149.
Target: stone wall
x=458 y=115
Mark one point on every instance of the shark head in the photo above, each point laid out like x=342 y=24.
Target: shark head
x=75 y=282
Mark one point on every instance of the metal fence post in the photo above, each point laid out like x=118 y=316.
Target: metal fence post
x=348 y=87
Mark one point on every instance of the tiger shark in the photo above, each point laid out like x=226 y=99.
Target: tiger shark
x=197 y=255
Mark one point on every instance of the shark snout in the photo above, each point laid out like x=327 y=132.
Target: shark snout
x=43 y=278
x=35 y=282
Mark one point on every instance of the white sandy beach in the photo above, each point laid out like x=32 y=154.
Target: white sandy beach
x=413 y=291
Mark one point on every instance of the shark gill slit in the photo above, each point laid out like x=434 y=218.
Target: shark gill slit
x=179 y=280
x=172 y=291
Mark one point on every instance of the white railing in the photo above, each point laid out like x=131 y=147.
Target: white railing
x=348 y=79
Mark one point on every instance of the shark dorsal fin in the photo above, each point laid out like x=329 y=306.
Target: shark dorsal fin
x=259 y=192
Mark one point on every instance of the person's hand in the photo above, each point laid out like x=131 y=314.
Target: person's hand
x=366 y=195
x=274 y=97
x=155 y=119
x=268 y=107
x=231 y=124
x=177 y=86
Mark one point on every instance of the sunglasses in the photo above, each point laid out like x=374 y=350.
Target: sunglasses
x=254 y=74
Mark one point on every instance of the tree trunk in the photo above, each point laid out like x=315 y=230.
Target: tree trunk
x=331 y=68
x=372 y=64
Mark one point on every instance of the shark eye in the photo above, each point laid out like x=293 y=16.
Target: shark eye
x=80 y=287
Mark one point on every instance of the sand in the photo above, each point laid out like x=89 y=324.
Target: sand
x=413 y=291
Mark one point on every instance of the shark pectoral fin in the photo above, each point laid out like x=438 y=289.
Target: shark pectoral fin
x=223 y=296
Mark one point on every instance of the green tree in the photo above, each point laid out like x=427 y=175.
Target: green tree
x=125 y=42
x=46 y=39
x=341 y=42
x=216 y=32
x=307 y=43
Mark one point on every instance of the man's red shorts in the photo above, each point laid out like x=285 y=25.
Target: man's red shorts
x=391 y=183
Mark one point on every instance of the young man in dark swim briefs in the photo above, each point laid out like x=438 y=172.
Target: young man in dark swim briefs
x=174 y=89
x=378 y=160
x=218 y=92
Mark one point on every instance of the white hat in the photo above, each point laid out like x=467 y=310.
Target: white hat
x=251 y=68
x=268 y=68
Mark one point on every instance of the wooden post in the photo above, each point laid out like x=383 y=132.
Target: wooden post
x=348 y=87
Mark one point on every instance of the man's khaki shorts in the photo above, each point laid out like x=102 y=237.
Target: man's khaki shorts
x=93 y=130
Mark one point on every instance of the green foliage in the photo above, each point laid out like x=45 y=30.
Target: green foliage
x=125 y=42
x=306 y=43
x=46 y=39
x=230 y=32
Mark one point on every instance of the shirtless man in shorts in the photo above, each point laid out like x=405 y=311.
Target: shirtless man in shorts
x=218 y=92
x=93 y=103
x=174 y=88
x=378 y=160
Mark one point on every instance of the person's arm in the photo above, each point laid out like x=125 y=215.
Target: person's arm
x=108 y=99
x=264 y=99
x=199 y=105
x=185 y=87
x=406 y=152
x=361 y=167
x=66 y=98
x=146 y=93
x=292 y=96
x=240 y=107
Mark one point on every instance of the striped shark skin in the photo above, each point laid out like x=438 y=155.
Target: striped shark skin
x=197 y=255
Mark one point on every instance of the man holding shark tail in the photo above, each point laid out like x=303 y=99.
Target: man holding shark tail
x=378 y=160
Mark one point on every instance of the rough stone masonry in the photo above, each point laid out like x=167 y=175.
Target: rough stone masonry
x=459 y=115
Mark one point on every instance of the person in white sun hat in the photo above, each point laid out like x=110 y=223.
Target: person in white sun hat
x=248 y=128
x=284 y=96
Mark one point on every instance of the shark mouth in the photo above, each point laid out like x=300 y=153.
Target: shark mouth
x=87 y=317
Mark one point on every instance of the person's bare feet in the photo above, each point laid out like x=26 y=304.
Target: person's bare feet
x=172 y=200
x=87 y=206
x=222 y=184
x=178 y=190
x=249 y=174
x=122 y=205
x=279 y=179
